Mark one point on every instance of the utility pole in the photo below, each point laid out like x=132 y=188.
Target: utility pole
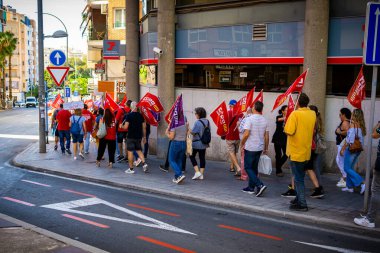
x=41 y=82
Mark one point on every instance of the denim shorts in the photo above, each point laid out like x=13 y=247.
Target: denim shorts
x=77 y=138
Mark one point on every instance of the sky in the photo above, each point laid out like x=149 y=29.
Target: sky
x=69 y=11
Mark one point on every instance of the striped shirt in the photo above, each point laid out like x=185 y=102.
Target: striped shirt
x=257 y=125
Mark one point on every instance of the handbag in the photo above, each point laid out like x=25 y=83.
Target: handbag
x=265 y=165
x=321 y=144
x=357 y=145
x=189 y=145
x=102 y=130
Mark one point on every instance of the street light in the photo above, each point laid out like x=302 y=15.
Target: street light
x=67 y=34
x=58 y=34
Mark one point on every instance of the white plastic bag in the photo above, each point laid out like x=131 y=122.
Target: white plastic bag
x=102 y=130
x=265 y=165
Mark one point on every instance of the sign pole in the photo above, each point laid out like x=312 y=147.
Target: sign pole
x=369 y=132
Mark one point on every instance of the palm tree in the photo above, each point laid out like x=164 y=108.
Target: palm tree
x=2 y=68
x=10 y=44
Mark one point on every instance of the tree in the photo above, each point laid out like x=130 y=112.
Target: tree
x=9 y=46
x=2 y=67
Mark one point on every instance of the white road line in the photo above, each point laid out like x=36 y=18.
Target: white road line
x=32 y=182
x=342 y=250
x=22 y=136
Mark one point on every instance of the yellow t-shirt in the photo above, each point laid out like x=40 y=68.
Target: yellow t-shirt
x=299 y=128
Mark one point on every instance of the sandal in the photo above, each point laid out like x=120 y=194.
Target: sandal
x=97 y=163
x=232 y=170
x=237 y=174
x=110 y=165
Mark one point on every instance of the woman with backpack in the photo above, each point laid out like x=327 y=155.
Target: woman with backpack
x=78 y=130
x=201 y=140
x=109 y=140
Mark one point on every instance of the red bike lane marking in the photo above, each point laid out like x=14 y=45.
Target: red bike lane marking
x=85 y=221
x=154 y=210
x=252 y=233
x=79 y=193
x=164 y=244
x=18 y=201
x=36 y=183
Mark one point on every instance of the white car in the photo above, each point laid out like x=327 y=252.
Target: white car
x=20 y=103
x=31 y=102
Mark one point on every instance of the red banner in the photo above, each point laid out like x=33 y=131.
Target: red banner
x=357 y=92
x=57 y=101
x=89 y=103
x=148 y=116
x=151 y=102
x=220 y=118
x=259 y=97
x=169 y=115
x=125 y=99
x=109 y=103
x=291 y=107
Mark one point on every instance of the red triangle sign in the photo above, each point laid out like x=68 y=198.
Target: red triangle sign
x=58 y=73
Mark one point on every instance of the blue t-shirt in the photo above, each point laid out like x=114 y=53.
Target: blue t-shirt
x=80 y=120
x=197 y=130
x=350 y=138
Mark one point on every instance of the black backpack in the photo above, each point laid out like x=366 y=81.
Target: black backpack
x=206 y=136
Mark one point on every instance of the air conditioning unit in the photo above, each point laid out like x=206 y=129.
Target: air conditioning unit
x=259 y=32
x=104 y=9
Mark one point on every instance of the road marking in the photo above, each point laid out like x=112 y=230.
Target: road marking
x=85 y=221
x=70 y=205
x=18 y=201
x=164 y=244
x=342 y=250
x=79 y=193
x=32 y=182
x=154 y=210
x=252 y=233
x=22 y=136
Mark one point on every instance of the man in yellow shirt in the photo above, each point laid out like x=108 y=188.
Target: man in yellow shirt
x=300 y=128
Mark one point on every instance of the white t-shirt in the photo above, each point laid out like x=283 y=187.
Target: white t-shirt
x=257 y=125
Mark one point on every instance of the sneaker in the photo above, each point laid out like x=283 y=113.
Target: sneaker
x=63 y=152
x=163 y=168
x=318 y=193
x=129 y=171
x=364 y=222
x=248 y=190
x=197 y=175
x=179 y=179
x=341 y=183
x=298 y=207
x=145 y=167
x=120 y=159
x=137 y=162
x=68 y=151
x=280 y=174
x=345 y=189
x=293 y=202
x=86 y=152
x=362 y=189
x=81 y=155
x=260 y=190
x=201 y=177
x=75 y=157
x=289 y=193
x=55 y=147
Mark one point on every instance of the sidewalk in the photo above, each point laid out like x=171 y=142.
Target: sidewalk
x=219 y=187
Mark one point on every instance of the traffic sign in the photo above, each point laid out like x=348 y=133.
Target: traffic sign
x=67 y=92
x=371 y=40
x=57 y=57
x=58 y=73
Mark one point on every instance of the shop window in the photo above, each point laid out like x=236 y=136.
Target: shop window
x=197 y=35
x=275 y=33
x=225 y=34
x=242 y=34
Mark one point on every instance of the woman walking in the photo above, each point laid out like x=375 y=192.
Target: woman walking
x=341 y=133
x=109 y=140
x=198 y=146
x=279 y=141
x=356 y=132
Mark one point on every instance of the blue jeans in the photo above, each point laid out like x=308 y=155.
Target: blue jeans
x=353 y=178
x=87 y=142
x=176 y=152
x=251 y=166
x=64 y=134
x=298 y=170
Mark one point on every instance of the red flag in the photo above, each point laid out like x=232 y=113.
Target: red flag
x=151 y=102
x=148 y=116
x=110 y=103
x=357 y=91
x=220 y=118
x=57 y=101
x=240 y=106
x=297 y=86
x=89 y=103
x=122 y=103
x=291 y=107
x=259 y=97
x=250 y=98
x=169 y=115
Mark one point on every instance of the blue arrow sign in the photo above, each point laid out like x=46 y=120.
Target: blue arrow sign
x=371 y=40
x=57 y=58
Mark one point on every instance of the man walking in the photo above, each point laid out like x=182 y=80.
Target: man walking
x=300 y=128
x=121 y=132
x=63 y=119
x=255 y=141
x=136 y=126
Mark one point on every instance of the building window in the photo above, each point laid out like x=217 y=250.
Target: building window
x=119 y=18
x=224 y=34
x=275 y=33
x=242 y=34
x=197 y=35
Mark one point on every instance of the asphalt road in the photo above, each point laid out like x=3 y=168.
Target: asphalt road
x=118 y=220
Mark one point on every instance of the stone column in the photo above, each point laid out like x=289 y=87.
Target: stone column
x=132 y=49
x=315 y=55
x=166 y=66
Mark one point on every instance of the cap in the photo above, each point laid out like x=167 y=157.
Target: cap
x=232 y=102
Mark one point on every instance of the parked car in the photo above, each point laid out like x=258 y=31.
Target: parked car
x=31 y=102
x=20 y=103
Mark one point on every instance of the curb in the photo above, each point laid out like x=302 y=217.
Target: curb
x=293 y=216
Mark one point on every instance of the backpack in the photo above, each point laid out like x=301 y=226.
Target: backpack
x=75 y=127
x=206 y=136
